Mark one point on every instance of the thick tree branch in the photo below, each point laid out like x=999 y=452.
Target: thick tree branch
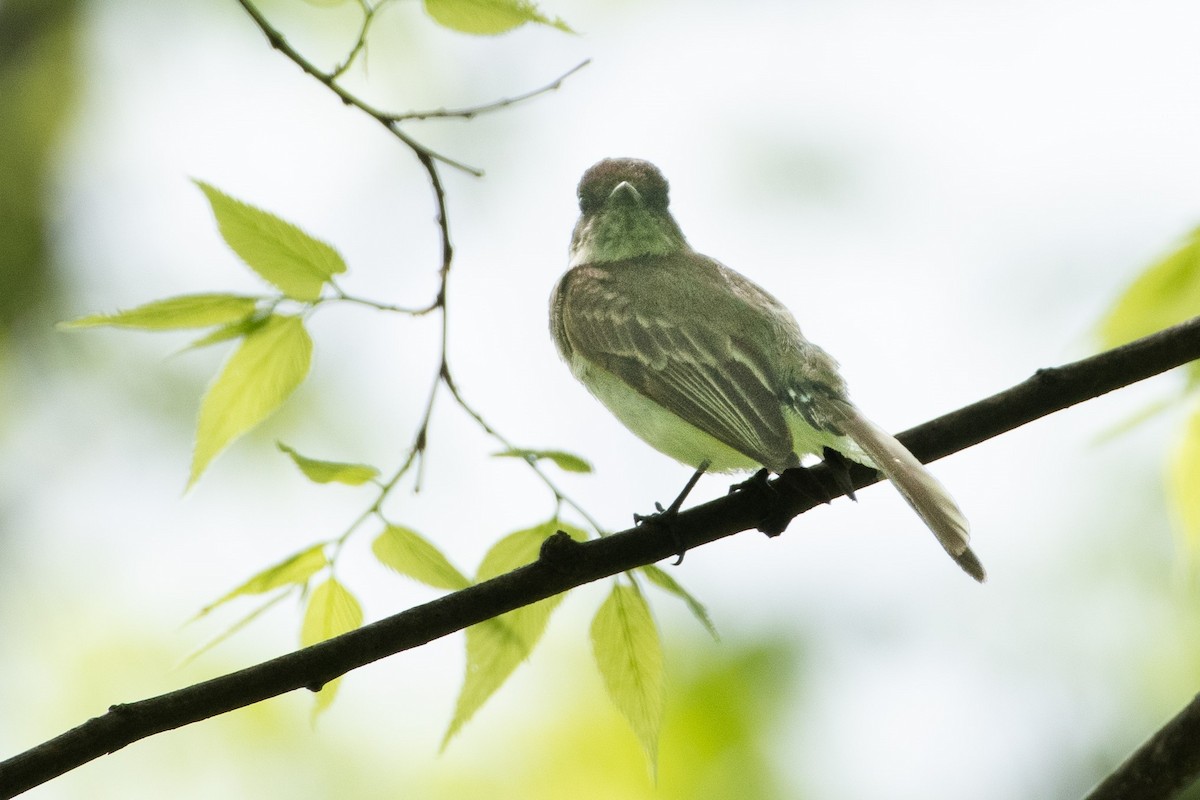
x=1165 y=765
x=565 y=564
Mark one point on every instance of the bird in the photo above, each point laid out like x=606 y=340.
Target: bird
x=703 y=364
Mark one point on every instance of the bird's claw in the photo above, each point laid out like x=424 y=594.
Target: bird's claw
x=839 y=470
x=666 y=516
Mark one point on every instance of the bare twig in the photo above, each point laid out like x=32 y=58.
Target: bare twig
x=566 y=564
x=471 y=112
x=360 y=43
x=560 y=497
x=329 y=79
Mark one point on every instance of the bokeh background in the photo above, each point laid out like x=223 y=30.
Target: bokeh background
x=947 y=194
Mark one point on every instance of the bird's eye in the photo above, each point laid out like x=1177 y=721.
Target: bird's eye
x=590 y=199
x=654 y=194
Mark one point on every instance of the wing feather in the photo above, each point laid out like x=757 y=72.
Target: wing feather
x=693 y=368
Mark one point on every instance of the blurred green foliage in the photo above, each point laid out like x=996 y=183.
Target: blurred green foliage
x=38 y=75
x=1164 y=294
x=718 y=738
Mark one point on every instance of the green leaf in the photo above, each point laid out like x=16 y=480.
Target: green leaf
x=629 y=655
x=332 y=610
x=277 y=250
x=234 y=330
x=296 y=569
x=488 y=17
x=268 y=366
x=1164 y=295
x=330 y=471
x=408 y=553
x=663 y=580
x=497 y=647
x=173 y=313
x=568 y=462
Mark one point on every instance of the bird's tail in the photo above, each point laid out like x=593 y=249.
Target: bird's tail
x=915 y=483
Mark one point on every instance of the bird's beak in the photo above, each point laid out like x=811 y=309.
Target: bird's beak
x=625 y=195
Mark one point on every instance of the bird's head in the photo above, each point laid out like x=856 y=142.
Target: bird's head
x=623 y=214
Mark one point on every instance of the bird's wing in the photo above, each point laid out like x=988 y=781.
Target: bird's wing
x=694 y=366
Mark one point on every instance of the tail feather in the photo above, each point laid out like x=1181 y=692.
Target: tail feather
x=915 y=483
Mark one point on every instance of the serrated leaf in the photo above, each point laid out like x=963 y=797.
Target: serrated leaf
x=267 y=367
x=497 y=647
x=568 y=462
x=332 y=610
x=629 y=655
x=174 y=313
x=662 y=579
x=330 y=471
x=1164 y=295
x=407 y=552
x=488 y=17
x=296 y=569
x=280 y=252
x=1184 y=487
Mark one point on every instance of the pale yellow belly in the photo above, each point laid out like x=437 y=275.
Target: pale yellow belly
x=684 y=442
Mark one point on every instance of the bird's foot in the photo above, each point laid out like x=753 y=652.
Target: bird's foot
x=775 y=519
x=839 y=470
x=807 y=484
x=758 y=482
x=666 y=516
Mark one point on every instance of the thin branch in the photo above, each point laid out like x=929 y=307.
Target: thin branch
x=560 y=497
x=391 y=121
x=429 y=161
x=565 y=564
x=281 y=44
x=342 y=297
x=360 y=43
x=473 y=111
x=1164 y=766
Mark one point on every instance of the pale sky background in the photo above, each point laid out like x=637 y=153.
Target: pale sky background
x=946 y=194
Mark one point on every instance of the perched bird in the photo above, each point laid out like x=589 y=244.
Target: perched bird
x=703 y=364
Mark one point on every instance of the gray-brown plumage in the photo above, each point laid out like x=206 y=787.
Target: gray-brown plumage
x=702 y=363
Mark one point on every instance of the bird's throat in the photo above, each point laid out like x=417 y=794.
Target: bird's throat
x=624 y=232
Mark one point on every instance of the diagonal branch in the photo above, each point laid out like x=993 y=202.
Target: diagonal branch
x=1166 y=764
x=565 y=564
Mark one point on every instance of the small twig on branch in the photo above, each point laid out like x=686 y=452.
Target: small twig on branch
x=474 y=111
x=329 y=79
x=1164 y=766
x=566 y=564
x=560 y=497
x=391 y=121
x=360 y=44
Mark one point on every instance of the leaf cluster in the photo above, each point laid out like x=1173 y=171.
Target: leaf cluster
x=271 y=357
